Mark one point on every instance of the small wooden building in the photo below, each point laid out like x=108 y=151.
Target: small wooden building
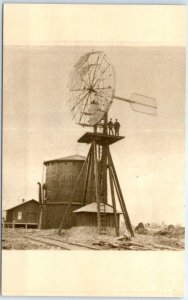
x=25 y=214
x=87 y=215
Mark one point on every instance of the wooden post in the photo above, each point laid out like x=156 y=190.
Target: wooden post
x=42 y=182
x=87 y=177
x=40 y=193
x=40 y=216
x=105 y=161
x=92 y=178
x=123 y=207
x=113 y=199
x=98 y=152
x=105 y=123
x=121 y=199
x=97 y=194
x=71 y=198
x=40 y=204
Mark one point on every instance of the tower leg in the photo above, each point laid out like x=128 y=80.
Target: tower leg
x=40 y=217
x=120 y=196
x=97 y=192
x=87 y=177
x=113 y=200
x=92 y=176
x=105 y=163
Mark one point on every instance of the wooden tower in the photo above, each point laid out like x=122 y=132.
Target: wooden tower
x=100 y=171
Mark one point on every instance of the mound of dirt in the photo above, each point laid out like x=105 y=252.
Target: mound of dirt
x=140 y=229
x=171 y=228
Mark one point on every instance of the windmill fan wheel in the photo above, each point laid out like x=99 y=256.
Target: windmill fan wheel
x=91 y=88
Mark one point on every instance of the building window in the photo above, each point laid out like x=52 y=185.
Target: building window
x=19 y=215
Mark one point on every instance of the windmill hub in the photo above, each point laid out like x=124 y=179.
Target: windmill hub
x=91 y=90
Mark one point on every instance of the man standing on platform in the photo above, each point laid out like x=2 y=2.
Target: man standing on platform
x=110 y=125
x=116 y=127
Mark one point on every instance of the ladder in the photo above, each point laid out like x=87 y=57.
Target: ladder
x=100 y=153
x=102 y=201
x=100 y=167
x=103 y=218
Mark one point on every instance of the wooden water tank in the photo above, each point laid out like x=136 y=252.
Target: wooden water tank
x=61 y=176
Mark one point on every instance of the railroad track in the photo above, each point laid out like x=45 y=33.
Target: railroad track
x=59 y=243
x=56 y=243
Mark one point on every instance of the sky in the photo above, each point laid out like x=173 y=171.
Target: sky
x=38 y=125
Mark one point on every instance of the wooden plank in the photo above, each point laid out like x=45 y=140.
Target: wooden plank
x=87 y=178
x=97 y=188
x=121 y=199
x=99 y=138
x=113 y=198
x=11 y=223
x=123 y=208
x=104 y=185
x=62 y=203
x=92 y=181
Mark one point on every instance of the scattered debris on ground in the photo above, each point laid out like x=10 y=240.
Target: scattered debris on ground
x=172 y=232
x=168 y=238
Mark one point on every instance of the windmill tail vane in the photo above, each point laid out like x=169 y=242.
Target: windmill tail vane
x=141 y=103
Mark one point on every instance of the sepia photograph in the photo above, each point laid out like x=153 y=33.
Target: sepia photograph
x=93 y=140
x=89 y=166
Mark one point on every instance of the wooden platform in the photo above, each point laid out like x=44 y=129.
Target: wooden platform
x=99 y=138
x=16 y=225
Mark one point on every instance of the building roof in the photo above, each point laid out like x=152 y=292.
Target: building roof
x=92 y=208
x=23 y=203
x=67 y=158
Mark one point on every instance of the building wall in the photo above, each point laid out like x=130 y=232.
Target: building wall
x=90 y=219
x=52 y=215
x=9 y=216
x=29 y=213
x=60 y=180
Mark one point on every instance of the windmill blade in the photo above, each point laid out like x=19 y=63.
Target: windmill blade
x=83 y=59
x=141 y=103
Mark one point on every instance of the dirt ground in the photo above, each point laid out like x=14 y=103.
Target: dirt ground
x=14 y=240
x=153 y=240
x=89 y=236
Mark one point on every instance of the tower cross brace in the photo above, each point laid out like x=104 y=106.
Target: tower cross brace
x=99 y=167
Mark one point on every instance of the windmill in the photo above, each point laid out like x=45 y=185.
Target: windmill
x=92 y=91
